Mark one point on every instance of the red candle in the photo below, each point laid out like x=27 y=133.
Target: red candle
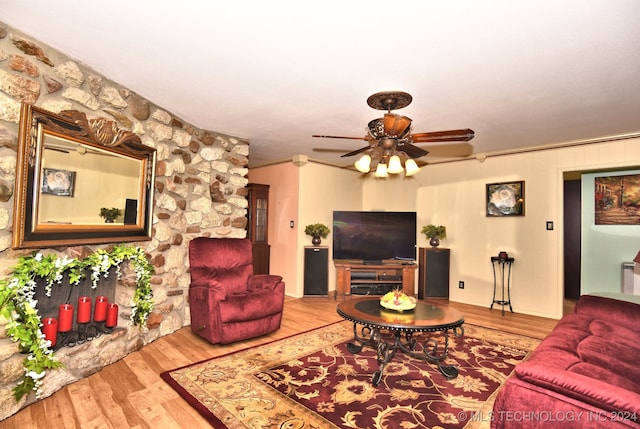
x=65 y=317
x=112 y=315
x=100 y=309
x=50 y=329
x=84 y=309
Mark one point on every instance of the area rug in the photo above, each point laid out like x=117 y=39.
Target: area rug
x=311 y=380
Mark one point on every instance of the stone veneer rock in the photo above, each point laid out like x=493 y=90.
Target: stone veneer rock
x=200 y=190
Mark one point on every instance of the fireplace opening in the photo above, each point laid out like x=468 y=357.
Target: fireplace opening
x=73 y=314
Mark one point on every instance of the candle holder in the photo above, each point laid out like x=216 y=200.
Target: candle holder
x=102 y=328
x=86 y=328
x=67 y=339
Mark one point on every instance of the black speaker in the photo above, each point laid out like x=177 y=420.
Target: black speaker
x=316 y=272
x=433 y=273
x=131 y=212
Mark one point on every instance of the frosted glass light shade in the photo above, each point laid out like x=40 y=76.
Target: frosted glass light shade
x=363 y=164
x=411 y=167
x=395 y=166
x=381 y=171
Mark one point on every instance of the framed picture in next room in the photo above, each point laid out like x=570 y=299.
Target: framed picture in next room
x=617 y=200
x=505 y=199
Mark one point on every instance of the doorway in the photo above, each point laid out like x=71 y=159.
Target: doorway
x=572 y=235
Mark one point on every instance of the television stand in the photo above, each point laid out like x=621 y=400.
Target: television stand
x=373 y=279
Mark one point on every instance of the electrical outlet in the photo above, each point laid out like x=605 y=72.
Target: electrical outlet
x=461 y=284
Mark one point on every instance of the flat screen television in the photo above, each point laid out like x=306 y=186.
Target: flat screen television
x=374 y=236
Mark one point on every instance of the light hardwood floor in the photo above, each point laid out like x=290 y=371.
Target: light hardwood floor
x=131 y=394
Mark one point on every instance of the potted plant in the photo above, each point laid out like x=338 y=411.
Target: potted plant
x=110 y=215
x=317 y=231
x=434 y=233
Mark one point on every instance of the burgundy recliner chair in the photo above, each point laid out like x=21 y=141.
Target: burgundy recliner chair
x=228 y=303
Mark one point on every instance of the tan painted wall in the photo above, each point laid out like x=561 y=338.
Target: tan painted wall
x=310 y=193
x=283 y=208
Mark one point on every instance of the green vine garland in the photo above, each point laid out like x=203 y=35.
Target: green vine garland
x=18 y=307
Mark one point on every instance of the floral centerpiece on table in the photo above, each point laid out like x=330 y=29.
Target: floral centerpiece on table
x=398 y=300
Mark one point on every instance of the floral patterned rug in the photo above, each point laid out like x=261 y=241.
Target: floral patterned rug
x=311 y=380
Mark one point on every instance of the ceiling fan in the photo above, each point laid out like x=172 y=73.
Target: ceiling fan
x=390 y=142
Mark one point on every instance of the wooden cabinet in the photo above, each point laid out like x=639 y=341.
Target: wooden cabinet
x=257 y=226
x=364 y=279
x=433 y=273
x=316 y=272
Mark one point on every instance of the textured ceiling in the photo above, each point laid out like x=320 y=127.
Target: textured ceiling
x=519 y=73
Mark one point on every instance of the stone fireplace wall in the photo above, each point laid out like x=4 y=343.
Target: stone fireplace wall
x=200 y=190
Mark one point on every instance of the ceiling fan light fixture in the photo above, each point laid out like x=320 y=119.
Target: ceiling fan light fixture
x=411 y=167
x=396 y=125
x=363 y=165
x=381 y=171
x=395 y=166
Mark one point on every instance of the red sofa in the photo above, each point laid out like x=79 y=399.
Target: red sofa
x=227 y=302
x=584 y=374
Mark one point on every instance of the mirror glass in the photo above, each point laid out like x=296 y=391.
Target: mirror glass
x=71 y=172
x=94 y=176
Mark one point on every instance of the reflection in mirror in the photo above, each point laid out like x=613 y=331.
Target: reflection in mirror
x=70 y=168
x=94 y=176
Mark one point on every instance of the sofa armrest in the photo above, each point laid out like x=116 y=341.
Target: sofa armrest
x=210 y=288
x=263 y=281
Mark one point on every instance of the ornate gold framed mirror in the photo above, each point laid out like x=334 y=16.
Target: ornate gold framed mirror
x=71 y=172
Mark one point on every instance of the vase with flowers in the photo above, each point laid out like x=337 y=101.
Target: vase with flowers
x=434 y=233
x=110 y=215
x=317 y=231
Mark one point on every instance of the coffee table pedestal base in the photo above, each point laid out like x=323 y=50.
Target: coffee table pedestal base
x=403 y=340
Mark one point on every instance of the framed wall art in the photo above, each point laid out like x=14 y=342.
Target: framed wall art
x=617 y=200
x=505 y=199
x=58 y=182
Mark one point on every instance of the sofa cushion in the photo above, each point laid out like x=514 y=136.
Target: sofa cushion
x=605 y=359
x=591 y=356
x=610 y=329
x=603 y=393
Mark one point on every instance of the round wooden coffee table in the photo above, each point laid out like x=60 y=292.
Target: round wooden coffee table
x=370 y=318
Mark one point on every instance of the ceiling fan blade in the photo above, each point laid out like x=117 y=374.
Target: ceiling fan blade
x=411 y=150
x=448 y=150
x=342 y=137
x=355 y=152
x=329 y=150
x=463 y=135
